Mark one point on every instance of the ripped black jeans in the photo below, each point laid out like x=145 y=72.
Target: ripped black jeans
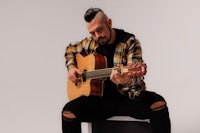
x=91 y=109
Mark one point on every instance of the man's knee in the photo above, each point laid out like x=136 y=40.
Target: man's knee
x=68 y=115
x=158 y=105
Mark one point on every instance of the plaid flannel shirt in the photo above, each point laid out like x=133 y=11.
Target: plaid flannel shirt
x=128 y=50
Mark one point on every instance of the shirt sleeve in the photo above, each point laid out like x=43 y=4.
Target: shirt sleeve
x=84 y=47
x=70 y=53
x=134 y=55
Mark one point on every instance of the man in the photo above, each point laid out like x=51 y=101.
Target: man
x=122 y=95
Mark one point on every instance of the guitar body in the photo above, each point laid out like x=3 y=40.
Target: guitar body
x=89 y=86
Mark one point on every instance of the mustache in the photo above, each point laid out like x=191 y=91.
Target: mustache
x=101 y=37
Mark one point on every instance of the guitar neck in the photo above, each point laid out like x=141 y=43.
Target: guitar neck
x=99 y=73
x=136 y=70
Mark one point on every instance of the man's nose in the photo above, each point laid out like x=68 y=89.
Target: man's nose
x=97 y=35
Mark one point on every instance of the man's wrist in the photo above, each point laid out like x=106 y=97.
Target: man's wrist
x=128 y=82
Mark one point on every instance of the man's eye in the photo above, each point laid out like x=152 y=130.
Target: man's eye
x=99 y=30
x=92 y=33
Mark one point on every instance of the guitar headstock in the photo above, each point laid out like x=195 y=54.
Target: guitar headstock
x=134 y=70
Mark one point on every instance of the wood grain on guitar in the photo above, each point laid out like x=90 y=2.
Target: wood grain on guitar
x=95 y=71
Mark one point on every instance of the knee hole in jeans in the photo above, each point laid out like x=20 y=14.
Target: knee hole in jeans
x=158 y=105
x=68 y=114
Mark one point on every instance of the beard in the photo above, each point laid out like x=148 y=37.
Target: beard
x=103 y=40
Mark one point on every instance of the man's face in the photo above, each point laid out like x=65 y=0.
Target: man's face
x=100 y=31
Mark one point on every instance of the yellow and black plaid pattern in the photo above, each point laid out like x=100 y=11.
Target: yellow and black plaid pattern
x=126 y=52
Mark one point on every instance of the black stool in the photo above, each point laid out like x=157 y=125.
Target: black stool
x=120 y=124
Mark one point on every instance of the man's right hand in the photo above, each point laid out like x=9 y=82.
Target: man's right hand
x=73 y=75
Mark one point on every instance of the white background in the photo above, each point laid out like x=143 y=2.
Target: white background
x=33 y=37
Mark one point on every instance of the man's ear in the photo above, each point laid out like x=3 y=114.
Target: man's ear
x=109 y=21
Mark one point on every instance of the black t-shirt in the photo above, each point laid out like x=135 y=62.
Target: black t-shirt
x=110 y=89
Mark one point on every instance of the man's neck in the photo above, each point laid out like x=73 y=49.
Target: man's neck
x=113 y=36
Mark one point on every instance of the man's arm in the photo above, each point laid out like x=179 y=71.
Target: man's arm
x=70 y=53
x=134 y=54
x=130 y=86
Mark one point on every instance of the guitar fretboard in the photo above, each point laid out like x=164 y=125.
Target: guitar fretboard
x=100 y=73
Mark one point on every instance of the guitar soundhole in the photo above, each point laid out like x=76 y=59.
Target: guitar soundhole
x=84 y=75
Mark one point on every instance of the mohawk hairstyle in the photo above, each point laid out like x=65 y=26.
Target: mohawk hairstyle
x=91 y=13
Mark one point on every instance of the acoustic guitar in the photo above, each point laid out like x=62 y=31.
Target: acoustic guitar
x=95 y=71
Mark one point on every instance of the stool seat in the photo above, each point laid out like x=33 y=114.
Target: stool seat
x=120 y=124
x=127 y=118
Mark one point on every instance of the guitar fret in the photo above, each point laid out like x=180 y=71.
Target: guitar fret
x=99 y=73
